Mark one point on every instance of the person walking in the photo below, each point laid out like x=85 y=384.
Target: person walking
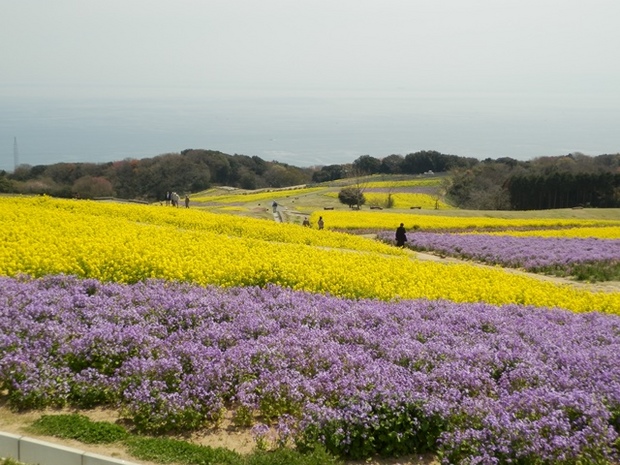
x=320 y=222
x=401 y=235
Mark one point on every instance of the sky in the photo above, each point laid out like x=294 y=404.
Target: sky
x=560 y=52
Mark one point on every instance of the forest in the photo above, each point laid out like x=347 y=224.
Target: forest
x=568 y=181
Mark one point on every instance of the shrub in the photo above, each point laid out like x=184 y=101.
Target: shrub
x=165 y=450
x=80 y=428
x=352 y=196
x=317 y=456
x=9 y=462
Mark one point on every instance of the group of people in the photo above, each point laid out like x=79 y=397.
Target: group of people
x=320 y=223
x=401 y=232
x=172 y=198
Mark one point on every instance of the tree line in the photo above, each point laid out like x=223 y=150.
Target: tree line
x=150 y=178
x=564 y=190
x=505 y=183
x=490 y=184
x=414 y=163
x=543 y=183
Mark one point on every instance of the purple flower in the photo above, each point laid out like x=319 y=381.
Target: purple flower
x=475 y=382
x=531 y=253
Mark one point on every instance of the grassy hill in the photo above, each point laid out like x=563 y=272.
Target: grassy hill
x=301 y=201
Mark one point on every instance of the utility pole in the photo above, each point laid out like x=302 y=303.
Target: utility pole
x=15 y=154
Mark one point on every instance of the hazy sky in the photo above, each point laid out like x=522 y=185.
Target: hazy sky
x=539 y=46
x=563 y=53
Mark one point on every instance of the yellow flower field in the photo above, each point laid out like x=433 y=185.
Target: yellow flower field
x=405 y=183
x=243 y=197
x=405 y=200
x=129 y=243
x=196 y=220
x=381 y=219
x=401 y=200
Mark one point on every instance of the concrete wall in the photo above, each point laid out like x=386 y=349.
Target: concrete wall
x=33 y=451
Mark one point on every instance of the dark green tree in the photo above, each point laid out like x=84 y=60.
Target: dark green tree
x=392 y=164
x=6 y=185
x=366 y=165
x=352 y=196
x=329 y=173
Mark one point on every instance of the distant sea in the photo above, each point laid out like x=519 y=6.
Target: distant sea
x=304 y=129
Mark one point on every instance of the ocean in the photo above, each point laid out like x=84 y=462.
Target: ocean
x=304 y=129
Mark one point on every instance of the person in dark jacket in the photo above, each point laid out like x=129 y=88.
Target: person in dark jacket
x=401 y=235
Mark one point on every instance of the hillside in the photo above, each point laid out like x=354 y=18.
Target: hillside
x=298 y=201
x=230 y=316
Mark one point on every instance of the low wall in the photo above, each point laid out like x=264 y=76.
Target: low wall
x=33 y=451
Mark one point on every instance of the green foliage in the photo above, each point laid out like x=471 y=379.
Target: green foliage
x=351 y=196
x=150 y=178
x=431 y=160
x=392 y=164
x=9 y=462
x=89 y=187
x=89 y=395
x=40 y=398
x=158 y=419
x=590 y=272
x=317 y=456
x=329 y=173
x=543 y=183
x=366 y=165
x=164 y=450
x=536 y=191
x=5 y=184
x=614 y=420
x=273 y=406
x=398 y=433
x=481 y=187
x=80 y=428
x=243 y=417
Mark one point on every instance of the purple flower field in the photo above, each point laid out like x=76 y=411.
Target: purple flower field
x=531 y=253
x=470 y=382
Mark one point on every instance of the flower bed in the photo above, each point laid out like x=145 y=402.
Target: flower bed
x=131 y=243
x=600 y=232
x=386 y=219
x=467 y=381
x=538 y=254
